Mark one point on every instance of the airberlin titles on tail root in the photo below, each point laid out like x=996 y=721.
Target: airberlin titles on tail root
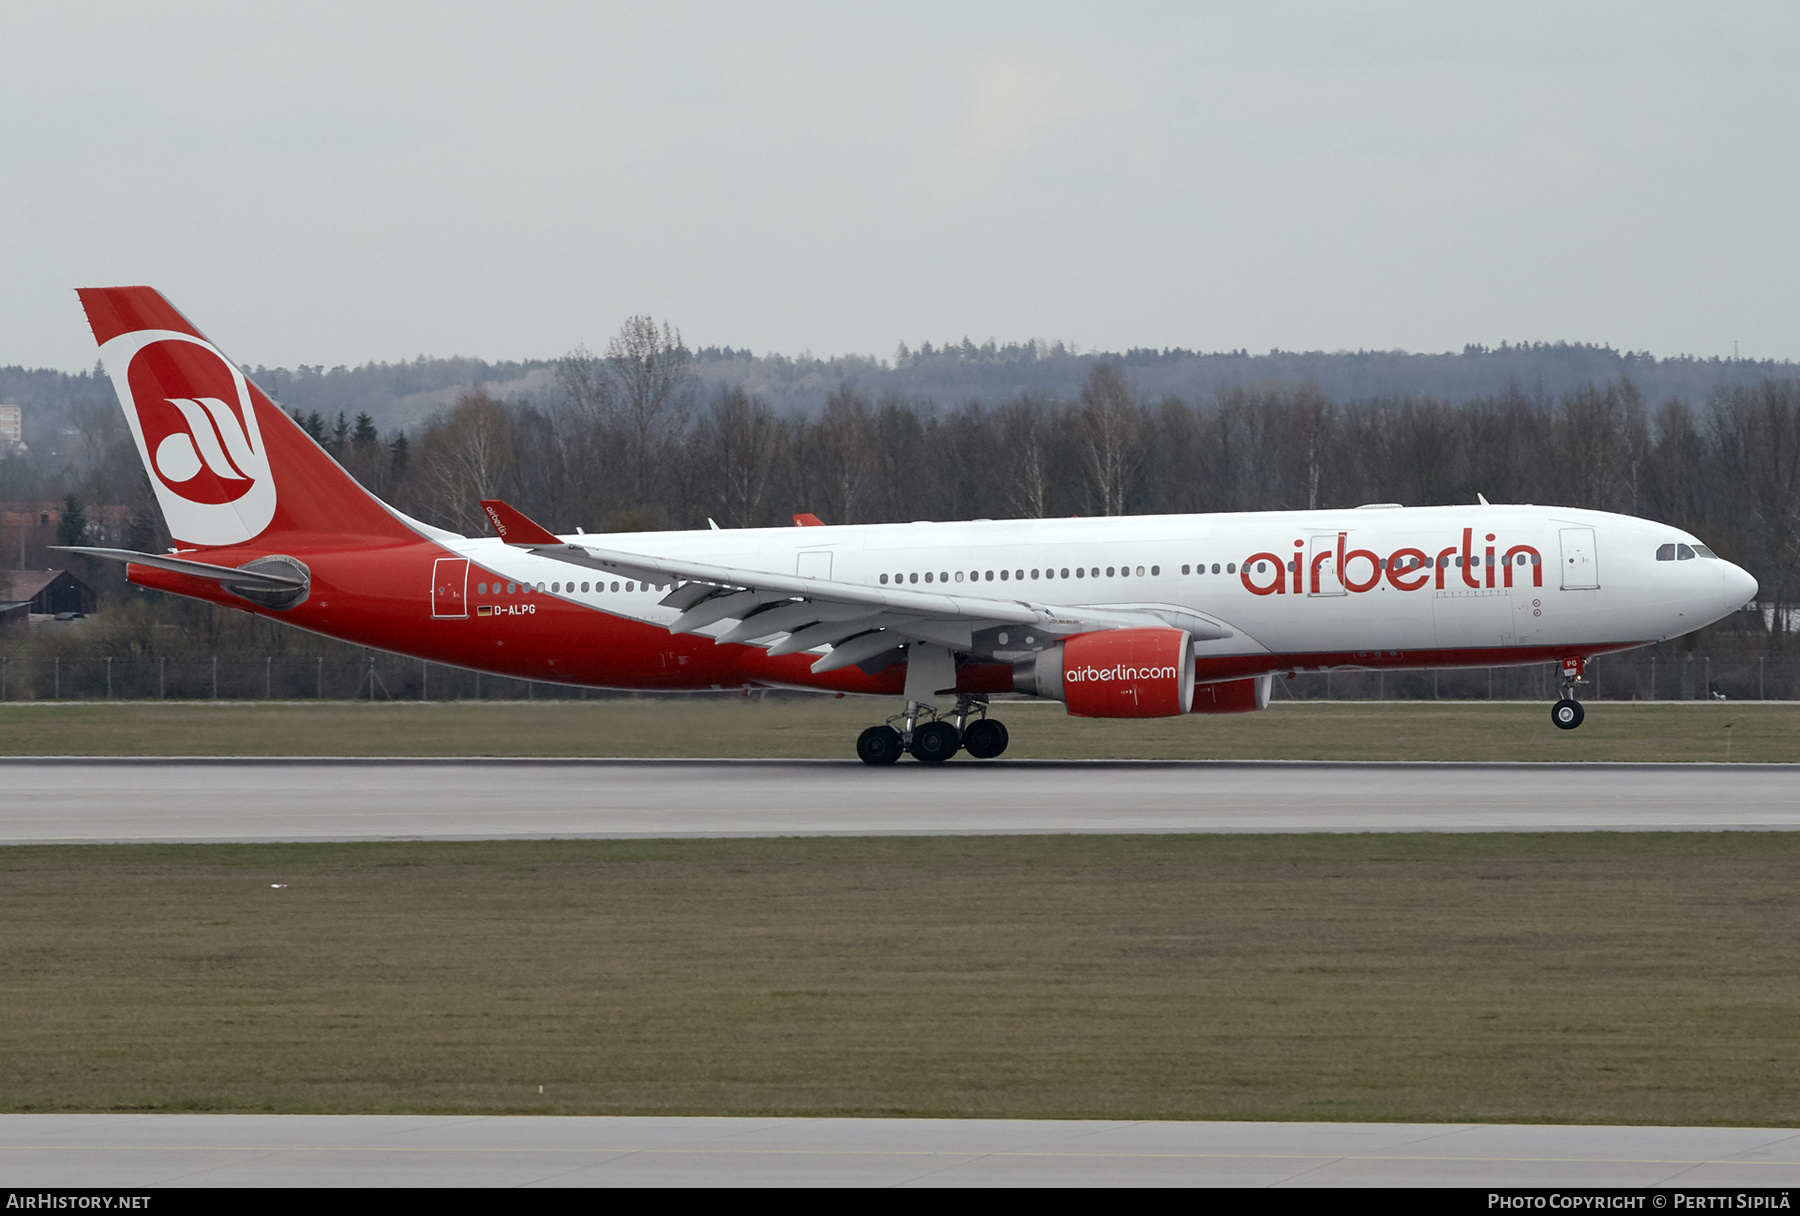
x=1122 y=617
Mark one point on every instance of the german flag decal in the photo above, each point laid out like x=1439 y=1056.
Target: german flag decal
x=484 y=610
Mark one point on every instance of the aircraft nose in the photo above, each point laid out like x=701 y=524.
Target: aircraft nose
x=1740 y=586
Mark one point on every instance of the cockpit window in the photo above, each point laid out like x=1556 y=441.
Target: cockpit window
x=1665 y=553
x=1683 y=553
x=1703 y=551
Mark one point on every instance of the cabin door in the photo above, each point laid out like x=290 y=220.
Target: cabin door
x=450 y=588
x=1321 y=555
x=1580 y=572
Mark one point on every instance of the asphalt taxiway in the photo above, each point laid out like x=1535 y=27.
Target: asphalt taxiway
x=124 y=1151
x=95 y=800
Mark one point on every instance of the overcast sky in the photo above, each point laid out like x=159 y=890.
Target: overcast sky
x=325 y=183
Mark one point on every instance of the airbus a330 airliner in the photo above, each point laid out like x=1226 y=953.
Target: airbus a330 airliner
x=1133 y=617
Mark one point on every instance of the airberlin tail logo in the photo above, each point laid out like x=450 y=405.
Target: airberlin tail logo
x=214 y=441
x=196 y=430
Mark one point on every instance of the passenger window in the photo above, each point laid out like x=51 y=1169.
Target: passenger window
x=511 y=588
x=615 y=586
x=914 y=577
x=1109 y=572
x=1141 y=571
x=1230 y=567
x=990 y=576
x=1080 y=572
x=944 y=576
x=1065 y=572
x=1683 y=553
x=1184 y=568
x=480 y=588
x=884 y=580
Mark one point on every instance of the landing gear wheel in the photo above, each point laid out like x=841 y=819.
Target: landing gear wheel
x=934 y=742
x=879 y=745
x=985 y=738
x=1567 y=713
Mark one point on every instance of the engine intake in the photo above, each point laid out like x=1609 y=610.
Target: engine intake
x=1116 y=673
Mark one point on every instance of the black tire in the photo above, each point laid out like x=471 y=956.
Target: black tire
x=1567 y=714
x=879 y=745
x=984 y=739
x=934 y=742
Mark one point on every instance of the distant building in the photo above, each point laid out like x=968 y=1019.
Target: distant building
x=44 y=594
x=12 y=427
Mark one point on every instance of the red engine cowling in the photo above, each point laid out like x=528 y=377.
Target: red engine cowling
x=1233 y=696
x=1117 y=673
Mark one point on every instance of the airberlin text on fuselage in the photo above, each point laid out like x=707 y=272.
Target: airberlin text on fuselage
x=1406 y=569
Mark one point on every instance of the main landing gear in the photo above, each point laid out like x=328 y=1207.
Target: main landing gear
x=1567 y=712
x=937 y=739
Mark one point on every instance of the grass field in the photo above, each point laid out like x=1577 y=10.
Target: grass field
x=819 y=727
x=1619 y=978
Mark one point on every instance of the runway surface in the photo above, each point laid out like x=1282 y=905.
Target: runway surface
x=93 y=800
x=104 y=1151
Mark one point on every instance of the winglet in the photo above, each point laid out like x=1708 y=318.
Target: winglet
x=807 y=519
x=511 y=526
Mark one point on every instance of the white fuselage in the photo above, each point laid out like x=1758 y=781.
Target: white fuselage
x=1579 y=579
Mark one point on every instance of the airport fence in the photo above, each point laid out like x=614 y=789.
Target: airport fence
x=366 y=677
x=1653 y=674
x=1640 y=675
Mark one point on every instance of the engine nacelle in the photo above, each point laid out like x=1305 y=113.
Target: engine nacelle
x=1116 y=673
x=1233 y=696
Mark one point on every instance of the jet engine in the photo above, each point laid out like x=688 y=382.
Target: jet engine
x=1116 y=673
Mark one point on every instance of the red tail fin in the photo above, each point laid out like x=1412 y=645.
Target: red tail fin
x=228 y=467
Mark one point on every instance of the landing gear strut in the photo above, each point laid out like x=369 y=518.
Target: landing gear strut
x=1567 y=712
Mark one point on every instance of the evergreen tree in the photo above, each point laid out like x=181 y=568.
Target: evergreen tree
x=72 y=528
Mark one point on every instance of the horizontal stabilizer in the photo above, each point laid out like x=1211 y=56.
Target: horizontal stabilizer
x=262 y=579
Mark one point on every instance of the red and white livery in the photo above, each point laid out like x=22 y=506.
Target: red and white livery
x=1133 y=617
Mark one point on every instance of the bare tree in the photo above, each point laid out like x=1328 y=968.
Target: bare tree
x=466 y=455
x=740 y=442
x=1025 y=426
x=1111 y=434
x=652 y=395
x=834 y=460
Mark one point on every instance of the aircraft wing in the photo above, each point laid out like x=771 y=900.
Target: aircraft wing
x=792 y=613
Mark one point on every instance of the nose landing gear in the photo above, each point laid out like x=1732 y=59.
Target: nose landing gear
x=1567 y=712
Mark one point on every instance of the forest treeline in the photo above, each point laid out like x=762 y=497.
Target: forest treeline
x=635 y=438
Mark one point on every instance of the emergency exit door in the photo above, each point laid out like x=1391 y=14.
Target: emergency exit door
x=450 y=587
